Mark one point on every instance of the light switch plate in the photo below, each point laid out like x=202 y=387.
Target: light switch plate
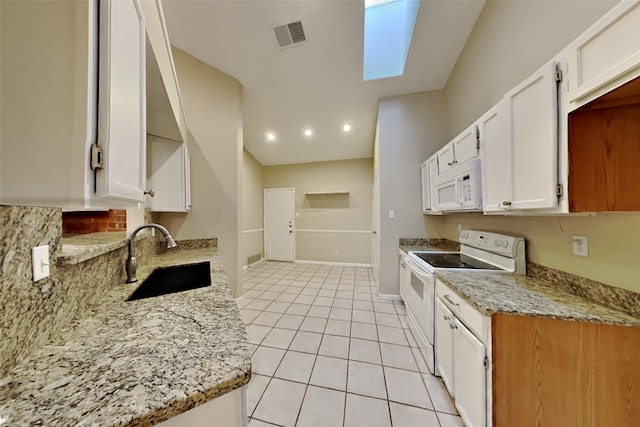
x=392 y=214
x=40 y=262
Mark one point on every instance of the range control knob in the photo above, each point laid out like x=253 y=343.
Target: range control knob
x=505 y=243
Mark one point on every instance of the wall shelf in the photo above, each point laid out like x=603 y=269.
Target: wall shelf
x=326 y=193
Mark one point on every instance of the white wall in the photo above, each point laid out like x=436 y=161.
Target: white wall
x=253 y=208
x=213 y=111
x=340 y=223
x=410 y=129
x=43 y=102
x=511 y=40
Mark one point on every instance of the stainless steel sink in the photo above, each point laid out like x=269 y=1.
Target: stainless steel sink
x=168 y=280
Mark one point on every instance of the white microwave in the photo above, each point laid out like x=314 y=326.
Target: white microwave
x=459 y=189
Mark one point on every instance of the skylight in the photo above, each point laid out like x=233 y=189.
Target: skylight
x=388 y=27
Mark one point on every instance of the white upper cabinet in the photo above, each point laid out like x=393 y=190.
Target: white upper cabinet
x=446 y=158
x=426 y=189
x=463 y=147
x=495 y=152
x=168 y=175
x=531 y=125
x=121 y=101
x=606 y=56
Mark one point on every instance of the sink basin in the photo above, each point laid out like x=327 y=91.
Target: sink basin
x=179 y=278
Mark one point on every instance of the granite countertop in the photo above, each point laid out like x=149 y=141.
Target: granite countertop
x=79 y=248
x=444 y=245
x=138 y=362
x=505 y=293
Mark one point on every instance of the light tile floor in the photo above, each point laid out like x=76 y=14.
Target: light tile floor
x=327 y=352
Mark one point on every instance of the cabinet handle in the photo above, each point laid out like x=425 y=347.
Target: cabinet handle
x=448 y=298
x=151 y=192
x=450 y=164
x=453 y=326
x=445 y=317
x=506 y=203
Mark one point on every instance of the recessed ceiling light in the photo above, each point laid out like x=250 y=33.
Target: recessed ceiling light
x=346 y=127
x=271 y=136
x=308 y=132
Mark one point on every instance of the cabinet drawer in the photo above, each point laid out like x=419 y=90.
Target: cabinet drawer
x=472 y=318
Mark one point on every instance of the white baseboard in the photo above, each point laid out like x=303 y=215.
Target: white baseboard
x=341 y=264
x=244 y=267
x=391 y=297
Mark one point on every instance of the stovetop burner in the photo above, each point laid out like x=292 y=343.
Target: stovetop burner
x=454 y=260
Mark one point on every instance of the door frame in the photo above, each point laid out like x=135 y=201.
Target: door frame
x=293 y=220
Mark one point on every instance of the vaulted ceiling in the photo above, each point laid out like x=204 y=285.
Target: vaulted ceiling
x=317 y=84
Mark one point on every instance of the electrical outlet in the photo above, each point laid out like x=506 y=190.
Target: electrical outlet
x=336 y=252
x=392 y=214
x=580 y=245
x=40 y=262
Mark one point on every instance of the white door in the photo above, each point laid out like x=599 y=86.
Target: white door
x=375 y=226
x=426 y=191
x=444 y=345
x=465 y=146
x=496 y=160
x=470 y=383
x=445 y=158
x=121 y=106
x=532 y=118
x=279 y=226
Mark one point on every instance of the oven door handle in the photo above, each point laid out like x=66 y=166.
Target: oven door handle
x=418 y=271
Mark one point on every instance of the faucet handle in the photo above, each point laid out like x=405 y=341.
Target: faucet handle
x=151 y=192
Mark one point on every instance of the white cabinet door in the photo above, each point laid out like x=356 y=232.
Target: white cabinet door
x=531 y=111
x=168 y=175
x=495 y=152
x=606 y=55
x=426 y=189
x=445 y=158
x=465 y=145
x=121 y=104
x=444 y=346
x=470 y=376
x=433 y=173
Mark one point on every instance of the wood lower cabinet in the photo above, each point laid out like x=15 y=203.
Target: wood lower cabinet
x=549 y=372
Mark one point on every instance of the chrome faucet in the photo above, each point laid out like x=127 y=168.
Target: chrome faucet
x=132 y=263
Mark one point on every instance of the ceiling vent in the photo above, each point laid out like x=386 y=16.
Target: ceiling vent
x=289 y=34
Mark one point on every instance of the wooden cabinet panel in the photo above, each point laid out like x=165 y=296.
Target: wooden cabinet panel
x=559 y=373
x=604 y=149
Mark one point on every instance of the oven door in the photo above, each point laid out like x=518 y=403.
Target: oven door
x=419 y=298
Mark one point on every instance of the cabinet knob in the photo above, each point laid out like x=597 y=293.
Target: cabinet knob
x=450 y=164
x=151 y=192
x=445 y=317
x=506 y=203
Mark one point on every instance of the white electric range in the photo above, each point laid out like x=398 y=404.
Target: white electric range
x=480 y=251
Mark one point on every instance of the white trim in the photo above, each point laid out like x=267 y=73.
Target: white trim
x=392 y=297
x=310 y=230
x=255 y=230
x=341 y=264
